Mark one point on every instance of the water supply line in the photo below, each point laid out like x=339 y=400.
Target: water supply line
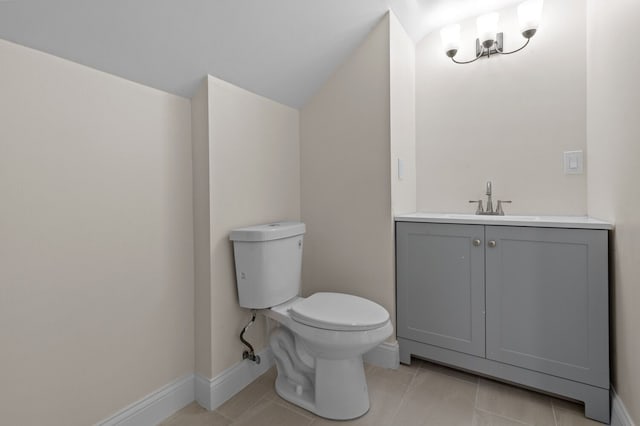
x=249 y=354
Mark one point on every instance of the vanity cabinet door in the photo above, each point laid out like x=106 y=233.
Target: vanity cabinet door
x=440 y=285
x=547 y=301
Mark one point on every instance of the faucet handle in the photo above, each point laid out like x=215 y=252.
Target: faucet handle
x=499 y=210
x=480 y=209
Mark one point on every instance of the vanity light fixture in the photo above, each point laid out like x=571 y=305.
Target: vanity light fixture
x=489 y=40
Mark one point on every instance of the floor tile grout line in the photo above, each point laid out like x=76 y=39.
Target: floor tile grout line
x=267 y=400
x=415 y=373
x=499 y=414
x=258 y=401
x=553 y=410
x=305 y=415
x=511 y=419
x=475 y=403
x=226 y=417
x=404 y=394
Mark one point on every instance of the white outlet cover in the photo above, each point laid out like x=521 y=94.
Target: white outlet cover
x=573 y=162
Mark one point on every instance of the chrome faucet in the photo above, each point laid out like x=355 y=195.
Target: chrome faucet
x=489 y=211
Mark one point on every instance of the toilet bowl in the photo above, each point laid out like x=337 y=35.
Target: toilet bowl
x=320 y=340
x=319 y=355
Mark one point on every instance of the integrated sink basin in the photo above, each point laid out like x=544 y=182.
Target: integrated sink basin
x=577 y=222
x=489 y=217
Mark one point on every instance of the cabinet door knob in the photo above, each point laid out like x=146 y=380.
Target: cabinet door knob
x=492 y=243
x=476 y=242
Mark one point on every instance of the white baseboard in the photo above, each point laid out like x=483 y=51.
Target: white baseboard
x=385 y=355
x=212 y=393
x=619 y=414
x=157 y=406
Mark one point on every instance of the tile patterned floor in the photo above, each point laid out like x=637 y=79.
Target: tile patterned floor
x=421 y=394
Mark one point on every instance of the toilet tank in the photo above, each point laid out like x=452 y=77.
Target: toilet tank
x=268 y=263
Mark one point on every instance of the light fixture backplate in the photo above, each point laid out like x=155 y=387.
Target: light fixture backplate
x=498 y=46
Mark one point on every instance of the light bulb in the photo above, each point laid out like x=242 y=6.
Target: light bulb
x=450 y=39
x=488 y=28
x=529 y=17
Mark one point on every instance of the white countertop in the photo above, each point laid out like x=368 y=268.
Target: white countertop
x=578 y=222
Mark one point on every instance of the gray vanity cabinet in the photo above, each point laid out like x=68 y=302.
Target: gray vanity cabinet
x=440 y=294
x=524 y=304
x=547 y=296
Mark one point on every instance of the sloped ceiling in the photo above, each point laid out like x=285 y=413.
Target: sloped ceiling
x=282 y=49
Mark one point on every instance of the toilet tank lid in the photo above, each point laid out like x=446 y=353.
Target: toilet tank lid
x=268 y=231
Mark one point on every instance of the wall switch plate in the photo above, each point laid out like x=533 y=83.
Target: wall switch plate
x=573 y=162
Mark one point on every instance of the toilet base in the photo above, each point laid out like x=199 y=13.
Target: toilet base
x=341 y=389
x=332 y=388
x=340 y=392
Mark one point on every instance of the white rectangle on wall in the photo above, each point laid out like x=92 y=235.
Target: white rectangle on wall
x=573 y=162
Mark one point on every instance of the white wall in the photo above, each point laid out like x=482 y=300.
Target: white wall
x=402 y=77
x=252 y=170
x=506 y=119
x=345 y=178
x=96 y=241
x=613 y=131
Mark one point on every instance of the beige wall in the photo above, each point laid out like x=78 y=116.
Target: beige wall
x=506 y=119
x=346 y=183
x=614 y=150
x=403 y=117
x=96 y=246
x=253 y=173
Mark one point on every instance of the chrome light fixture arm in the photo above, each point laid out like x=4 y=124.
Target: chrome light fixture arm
x=466 y=62
x=514 y=51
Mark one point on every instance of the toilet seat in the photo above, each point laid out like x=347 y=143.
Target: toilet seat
x=338 y=312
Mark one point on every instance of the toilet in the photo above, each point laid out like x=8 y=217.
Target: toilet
x=320 y=340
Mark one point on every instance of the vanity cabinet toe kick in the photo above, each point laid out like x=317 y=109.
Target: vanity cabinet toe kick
x=527 y=305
